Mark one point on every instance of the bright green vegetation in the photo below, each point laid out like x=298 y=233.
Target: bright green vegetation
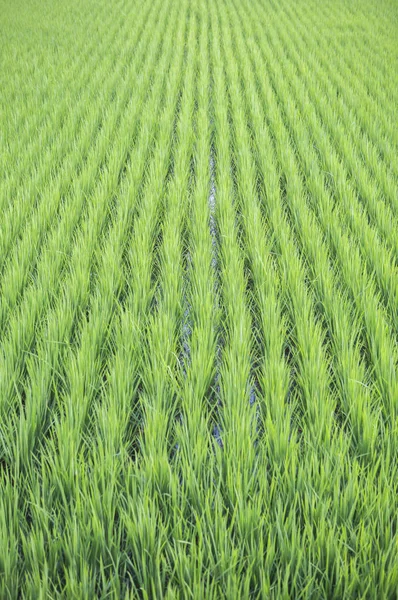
x=198 y=299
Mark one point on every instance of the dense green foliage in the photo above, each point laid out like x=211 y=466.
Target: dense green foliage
x=199 y=299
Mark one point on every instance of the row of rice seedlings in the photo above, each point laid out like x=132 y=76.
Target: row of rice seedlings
x=367 y=157
x=236 y=414
x=46 y=128
x=214 y=399
x=366 y=103
x=349 y=372
x=158 y=398
x=381 y=259
x=195 y=382
x=352 y=270
x=56 y=253
x=55 y=197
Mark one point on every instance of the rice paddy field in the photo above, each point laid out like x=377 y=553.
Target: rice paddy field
x=199 y=299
